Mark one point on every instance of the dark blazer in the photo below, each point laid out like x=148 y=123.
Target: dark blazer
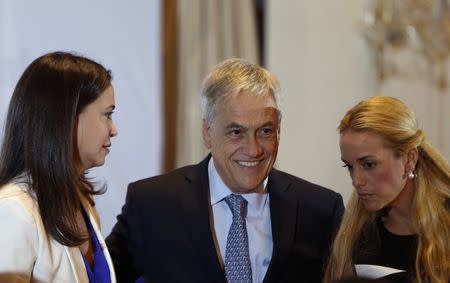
x=164 y=230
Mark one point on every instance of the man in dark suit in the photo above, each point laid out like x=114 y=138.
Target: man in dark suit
x=232 y=217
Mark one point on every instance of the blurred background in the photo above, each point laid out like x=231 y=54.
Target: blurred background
x=327 y=55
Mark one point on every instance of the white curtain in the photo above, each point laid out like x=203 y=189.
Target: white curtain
x=122 y=35
x=209 y=32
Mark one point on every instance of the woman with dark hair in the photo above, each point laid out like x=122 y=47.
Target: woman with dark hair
x=397 y=222
x=58 y=126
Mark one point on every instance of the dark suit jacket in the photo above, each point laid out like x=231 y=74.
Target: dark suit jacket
x=164 y=230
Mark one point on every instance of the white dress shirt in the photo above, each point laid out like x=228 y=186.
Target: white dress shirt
x=258 y=223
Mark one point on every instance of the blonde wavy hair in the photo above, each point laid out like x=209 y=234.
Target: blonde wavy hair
x=396 y=124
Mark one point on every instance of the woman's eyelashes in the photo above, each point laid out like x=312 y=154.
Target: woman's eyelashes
x=109 y=114
x=366 y=164
x=369 y=164
x=348 y=166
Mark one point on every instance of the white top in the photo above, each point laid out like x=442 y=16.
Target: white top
x=26 y=253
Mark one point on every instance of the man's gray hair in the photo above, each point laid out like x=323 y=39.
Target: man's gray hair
x=232 y=77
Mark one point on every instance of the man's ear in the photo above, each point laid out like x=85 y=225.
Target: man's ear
x=206 y=132
x=279 y=132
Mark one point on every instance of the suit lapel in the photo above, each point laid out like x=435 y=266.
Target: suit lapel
x=197 y=204
x=283 y=213
x=74 y=254
x=77 y=264
x=96 y=229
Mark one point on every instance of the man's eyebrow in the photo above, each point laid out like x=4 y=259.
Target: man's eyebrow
x=233 y=125
x=268 y=123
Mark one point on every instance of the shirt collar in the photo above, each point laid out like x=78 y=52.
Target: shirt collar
x=218 y=190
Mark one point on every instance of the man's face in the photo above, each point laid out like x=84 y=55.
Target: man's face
x=243 y=139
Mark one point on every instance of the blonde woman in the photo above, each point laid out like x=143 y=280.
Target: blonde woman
x=399 y=213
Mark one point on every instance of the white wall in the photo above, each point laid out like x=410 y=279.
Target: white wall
x=324 y=68
x=313 y=46
x=415 y=85
x=122 y=35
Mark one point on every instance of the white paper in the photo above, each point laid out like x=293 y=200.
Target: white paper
x=374 y=271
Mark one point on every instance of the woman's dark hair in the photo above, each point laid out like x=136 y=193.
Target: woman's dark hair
x=40 y=137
